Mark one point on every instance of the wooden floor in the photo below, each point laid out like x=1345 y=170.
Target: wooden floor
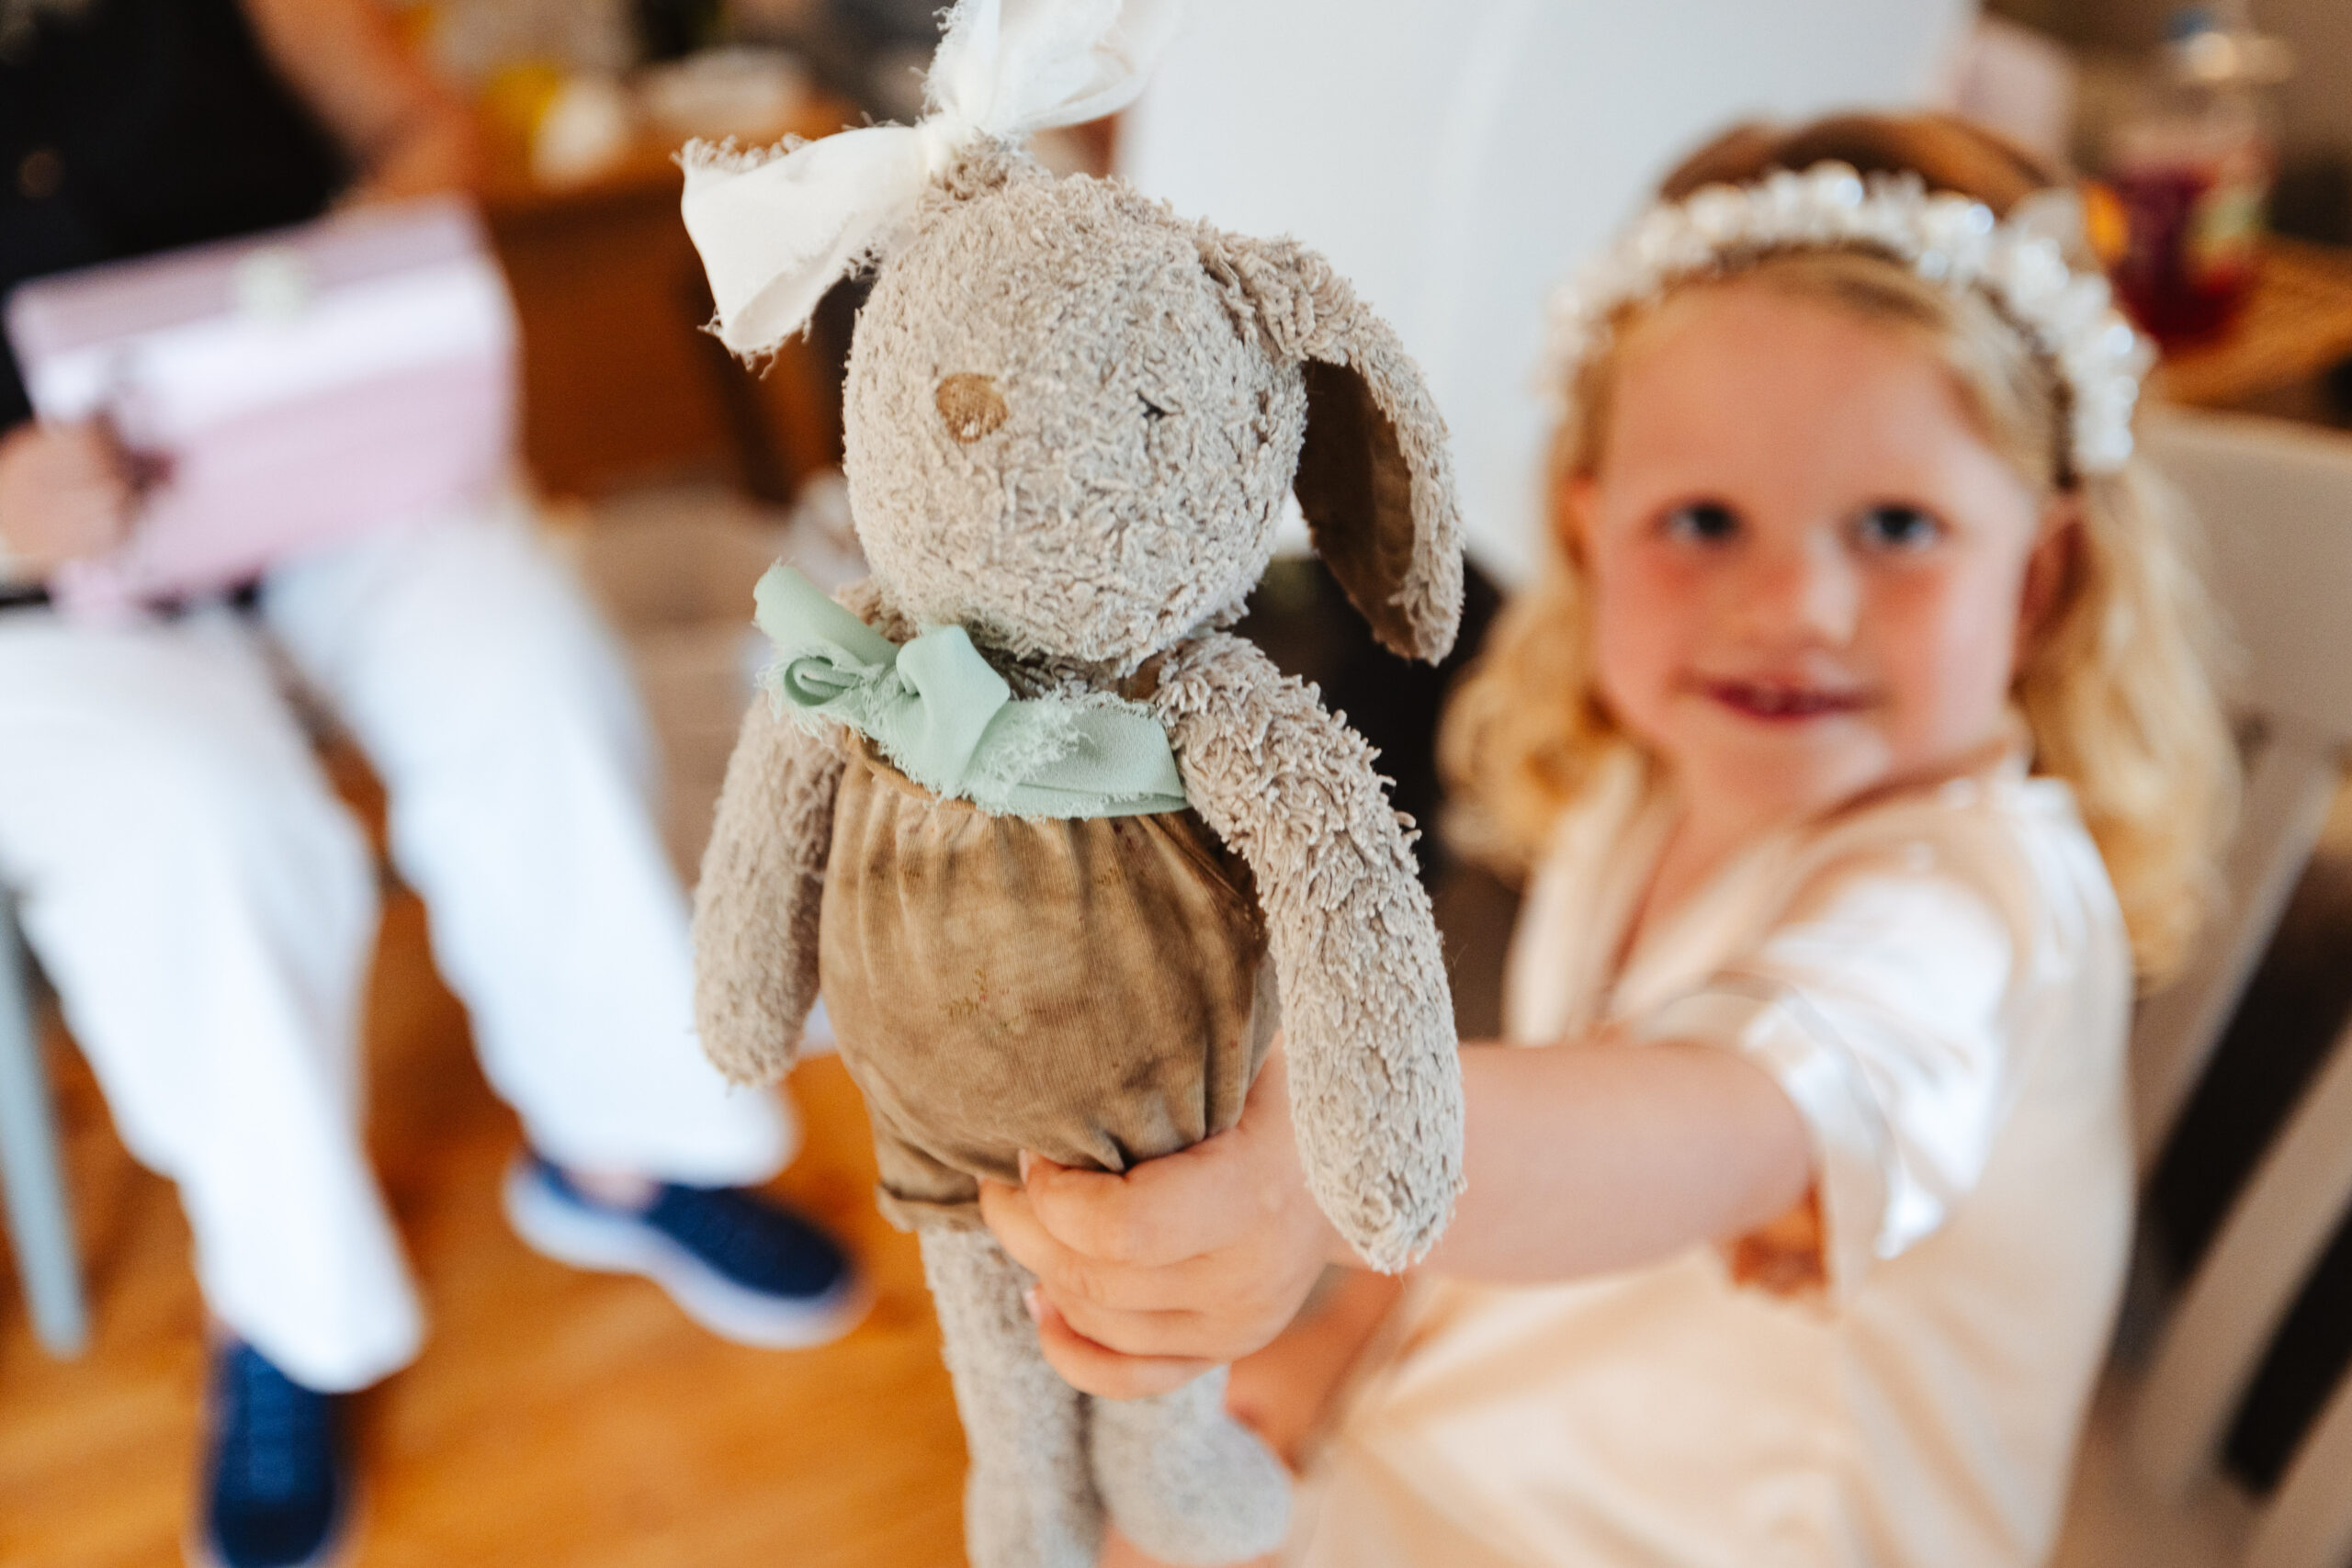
x=555 y=1417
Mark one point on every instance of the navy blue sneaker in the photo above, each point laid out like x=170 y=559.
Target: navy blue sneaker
x=738 y=1264
x=275 y=1486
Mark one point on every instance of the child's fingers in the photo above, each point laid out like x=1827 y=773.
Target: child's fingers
x=1007 y=1213
x=1163 y=1211
x=1066 y=1280
x=1074 y=1278
x=1012 y=1217
x=1091 y=1369
x=1188 y=1336
x=1196 y=1202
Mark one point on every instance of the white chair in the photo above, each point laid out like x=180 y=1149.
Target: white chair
x=2276 y=501
x=41 y=1225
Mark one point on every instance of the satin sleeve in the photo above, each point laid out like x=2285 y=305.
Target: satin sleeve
x=1882 y=1005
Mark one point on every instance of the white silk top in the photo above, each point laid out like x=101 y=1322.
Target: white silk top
x=1941 y=982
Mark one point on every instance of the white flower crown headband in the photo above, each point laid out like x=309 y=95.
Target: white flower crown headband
x=2019 y=264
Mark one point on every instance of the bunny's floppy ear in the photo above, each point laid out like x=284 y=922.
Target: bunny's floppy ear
x=1373 y=476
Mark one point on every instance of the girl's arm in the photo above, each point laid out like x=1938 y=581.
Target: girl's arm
x=1590 y=1157
x=1863 y=1046
x=1582 y=1159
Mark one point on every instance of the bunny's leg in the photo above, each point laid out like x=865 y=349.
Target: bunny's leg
x=1028 y=1502
x=1184 y=1481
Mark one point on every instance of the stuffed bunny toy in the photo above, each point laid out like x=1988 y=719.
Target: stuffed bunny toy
x=1060 y=853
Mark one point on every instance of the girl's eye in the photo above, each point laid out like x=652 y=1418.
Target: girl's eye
x=1893 y=526
x=1702 y=521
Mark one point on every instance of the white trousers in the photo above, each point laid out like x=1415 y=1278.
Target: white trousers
x=206 y=909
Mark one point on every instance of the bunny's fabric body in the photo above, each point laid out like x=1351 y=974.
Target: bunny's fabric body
x=1085 y=989
x=1071 y=421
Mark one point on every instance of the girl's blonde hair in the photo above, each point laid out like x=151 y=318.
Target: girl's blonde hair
x=2116 y=686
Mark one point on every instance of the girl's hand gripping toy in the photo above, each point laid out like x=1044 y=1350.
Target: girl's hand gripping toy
x=1056 y=849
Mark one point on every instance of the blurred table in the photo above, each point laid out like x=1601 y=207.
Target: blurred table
x=619 y=383
x=2296 y=327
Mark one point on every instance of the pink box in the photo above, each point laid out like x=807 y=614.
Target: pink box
x=288 y=390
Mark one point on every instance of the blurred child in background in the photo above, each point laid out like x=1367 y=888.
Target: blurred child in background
x=1861 y=743
x=203 y=904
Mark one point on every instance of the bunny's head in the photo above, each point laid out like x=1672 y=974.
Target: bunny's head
x=1072 y=419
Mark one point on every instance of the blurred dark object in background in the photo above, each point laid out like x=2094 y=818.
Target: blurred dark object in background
x=2339 y=394
x=672 y=30
x=2299 y=1001
x=889 y=44
x=2314 y=199
x=871 y=52
x=785 y=419
x=2314 y=202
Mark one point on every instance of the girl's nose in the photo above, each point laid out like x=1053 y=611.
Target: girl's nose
x=1806 y=593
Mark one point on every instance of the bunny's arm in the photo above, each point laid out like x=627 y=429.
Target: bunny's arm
x=755 y=907
x=1375 y=1085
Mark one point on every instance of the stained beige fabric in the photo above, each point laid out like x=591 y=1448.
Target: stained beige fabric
x=1082 y=988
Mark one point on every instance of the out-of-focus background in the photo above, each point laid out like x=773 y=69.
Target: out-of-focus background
x=1453 y=161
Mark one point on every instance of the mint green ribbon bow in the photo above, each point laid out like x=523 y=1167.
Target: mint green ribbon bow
x=950 y=722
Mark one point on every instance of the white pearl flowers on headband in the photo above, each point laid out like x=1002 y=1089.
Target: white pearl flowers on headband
x=2020 y=264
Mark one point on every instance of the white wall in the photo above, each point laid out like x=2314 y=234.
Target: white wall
x=1455 y=158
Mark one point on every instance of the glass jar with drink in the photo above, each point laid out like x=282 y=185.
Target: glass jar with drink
x=2187 y=175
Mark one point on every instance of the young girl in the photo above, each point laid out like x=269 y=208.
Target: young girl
x=1861 y=744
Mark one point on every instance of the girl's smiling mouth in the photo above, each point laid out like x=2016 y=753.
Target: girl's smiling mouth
x=1783 y=702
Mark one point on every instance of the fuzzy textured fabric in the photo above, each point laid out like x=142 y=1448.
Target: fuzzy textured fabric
x=1186 y=1481
x=1031 y=536
x=757 y=901
x=1375 y=1090
x=1177 y=1474
x=1070 y=421
x=1029 y=1499
x=1374 y=478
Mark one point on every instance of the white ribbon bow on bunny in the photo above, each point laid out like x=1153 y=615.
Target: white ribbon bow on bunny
x=777 y=228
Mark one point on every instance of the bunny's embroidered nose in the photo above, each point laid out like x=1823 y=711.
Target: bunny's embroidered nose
x=971 y=405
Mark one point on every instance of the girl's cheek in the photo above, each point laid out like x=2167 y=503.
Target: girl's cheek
x=1664 y=595
x=1643 y=614
x=1945 y=645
